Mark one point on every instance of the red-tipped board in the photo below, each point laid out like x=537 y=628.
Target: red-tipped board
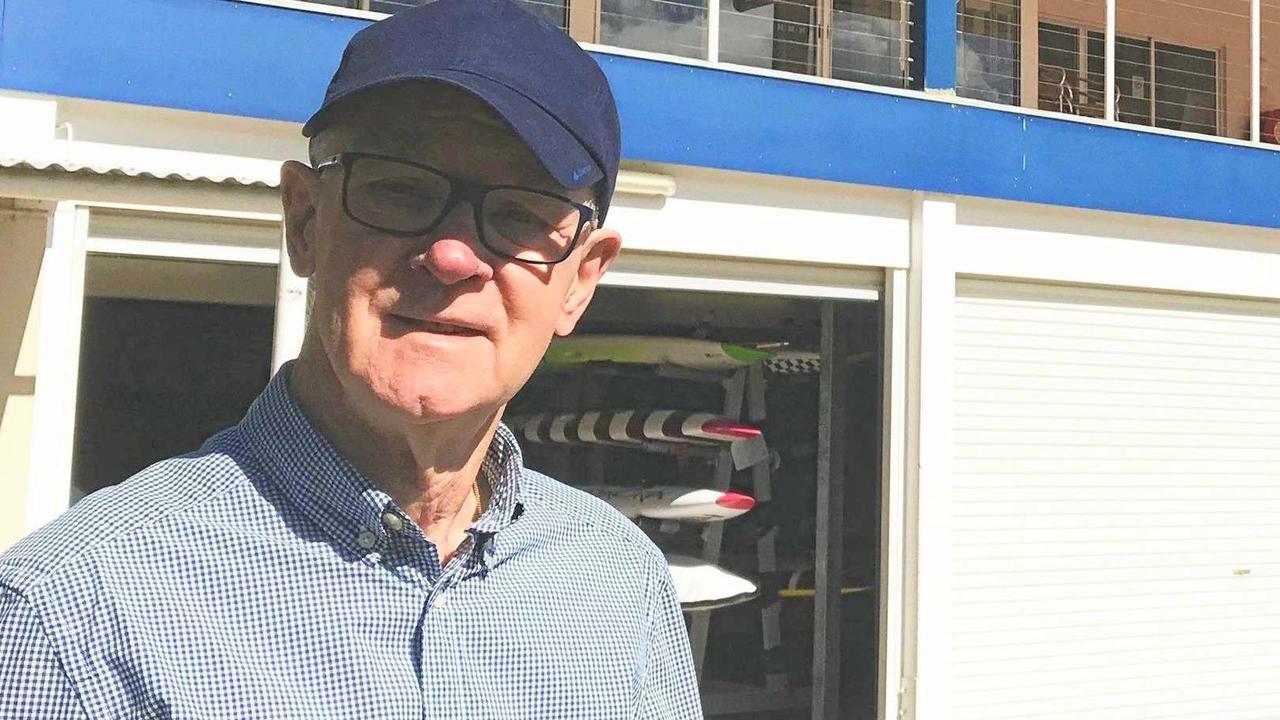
x=670 y=502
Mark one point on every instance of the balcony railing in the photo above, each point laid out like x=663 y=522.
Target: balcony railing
x=1177 y=64
x=859 y=40
x=1181 y=65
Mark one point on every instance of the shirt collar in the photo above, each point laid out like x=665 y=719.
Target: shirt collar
x=320 y=481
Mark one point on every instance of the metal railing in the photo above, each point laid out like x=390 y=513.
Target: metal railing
x=1190 y=66
x=865 y=41
x=858 y=40
x=1182 y=65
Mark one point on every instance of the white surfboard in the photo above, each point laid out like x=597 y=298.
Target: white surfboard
x=669 y=502
x=703 y=586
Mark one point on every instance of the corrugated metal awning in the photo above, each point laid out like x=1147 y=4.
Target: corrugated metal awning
x=130 y=161
x=104 y=159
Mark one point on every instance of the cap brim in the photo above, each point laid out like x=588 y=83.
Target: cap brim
x=563 y=156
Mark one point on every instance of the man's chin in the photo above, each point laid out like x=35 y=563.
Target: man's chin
x=427 y=406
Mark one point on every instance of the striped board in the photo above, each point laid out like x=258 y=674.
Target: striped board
x=703 y=586
x=802 y=362
x=650 y=350
x=669 y=502
x=638 y=427
x=794 y=362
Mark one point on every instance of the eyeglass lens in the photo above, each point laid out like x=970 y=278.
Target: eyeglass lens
x=402 y=198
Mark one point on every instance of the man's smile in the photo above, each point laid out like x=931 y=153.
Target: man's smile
x=435 y=326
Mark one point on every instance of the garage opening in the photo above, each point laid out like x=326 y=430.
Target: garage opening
x=655 y=404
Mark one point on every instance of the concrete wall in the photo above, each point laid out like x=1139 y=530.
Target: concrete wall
x=22 y=242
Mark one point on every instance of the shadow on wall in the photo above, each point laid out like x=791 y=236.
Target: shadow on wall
x=22 y=242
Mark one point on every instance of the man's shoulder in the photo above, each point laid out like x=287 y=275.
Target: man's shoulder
x=81 y=539
x=599 y=523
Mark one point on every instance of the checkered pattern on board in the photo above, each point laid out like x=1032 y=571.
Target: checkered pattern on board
x=263 y=577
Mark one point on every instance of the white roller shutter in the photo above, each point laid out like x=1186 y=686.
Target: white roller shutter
x=1116 y=505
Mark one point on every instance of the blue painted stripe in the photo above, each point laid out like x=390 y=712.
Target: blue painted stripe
x=210 y=55
x=940 y=39
x=242 y=59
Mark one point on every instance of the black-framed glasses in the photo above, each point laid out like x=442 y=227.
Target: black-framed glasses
x=399 y=197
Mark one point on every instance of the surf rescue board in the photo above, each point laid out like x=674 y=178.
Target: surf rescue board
x=670 y=502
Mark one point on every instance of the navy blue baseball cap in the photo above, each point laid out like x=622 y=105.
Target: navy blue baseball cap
x=550 y=91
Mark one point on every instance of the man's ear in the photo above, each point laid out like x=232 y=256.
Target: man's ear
x=299 y=190
x=598 y=253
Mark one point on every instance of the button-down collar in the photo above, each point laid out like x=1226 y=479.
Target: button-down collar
x=320 y=481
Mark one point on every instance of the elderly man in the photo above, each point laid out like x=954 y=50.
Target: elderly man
x=366 y=542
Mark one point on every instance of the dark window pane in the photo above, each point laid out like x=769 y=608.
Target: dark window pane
x=1059 y=73
x=1133 y=81
x=1059 y=45
x=1095 y=74
x=1133 y=77
x=1186 y=89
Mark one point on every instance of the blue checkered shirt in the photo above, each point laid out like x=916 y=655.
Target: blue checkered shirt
x=264 y=577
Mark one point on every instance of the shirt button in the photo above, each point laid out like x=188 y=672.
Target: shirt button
x=392 y=522
x=366 y=540
x=438 y=602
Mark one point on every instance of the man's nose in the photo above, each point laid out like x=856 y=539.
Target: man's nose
x=453 y=254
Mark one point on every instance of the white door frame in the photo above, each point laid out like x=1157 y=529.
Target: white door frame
x=894 y=526
x=61 y=297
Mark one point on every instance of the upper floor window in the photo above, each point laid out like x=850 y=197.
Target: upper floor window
x=1158 y=84
x=1180 y=65
x=675 y=27
x=988 y=50
x=861 y=40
